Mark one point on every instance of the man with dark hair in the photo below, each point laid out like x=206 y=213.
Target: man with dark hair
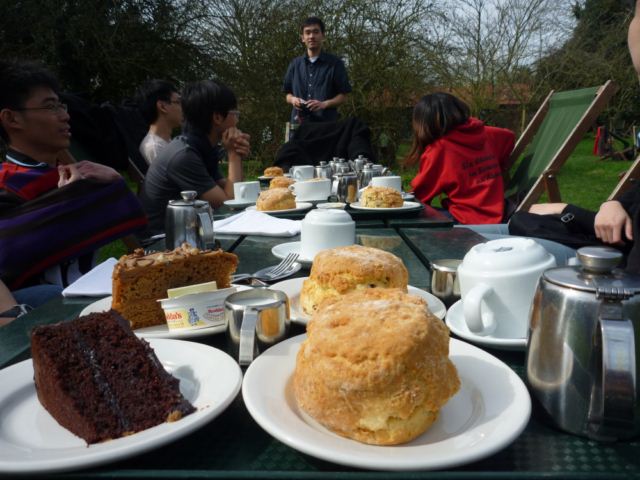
x=191 y=160
x=48 y=204
x=315 y=83
x=159 y=103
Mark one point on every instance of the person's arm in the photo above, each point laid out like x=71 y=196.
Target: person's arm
x=334 y=102
x=547 y=208
x=295 y=101
x=633 y=38
x=613 y=223
x=6 y=302
x=97 y=172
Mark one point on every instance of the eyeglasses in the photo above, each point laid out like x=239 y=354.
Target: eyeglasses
x=54 y=108
x=235 y=112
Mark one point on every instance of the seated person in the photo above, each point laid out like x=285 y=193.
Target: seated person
x=52 y=211
x=159 y=103
x=191 y=160
x=459 y=157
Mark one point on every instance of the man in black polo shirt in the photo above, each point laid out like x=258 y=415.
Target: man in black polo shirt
x=191 y=160
x=316 y=83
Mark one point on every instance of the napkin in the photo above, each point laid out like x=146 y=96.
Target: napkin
x=94 y=283
x=252 y=222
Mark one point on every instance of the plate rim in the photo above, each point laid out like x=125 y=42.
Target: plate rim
x=84 y=456
x=303 y=321
x=236 y=203
x=521 y=403
x=300 y=207
x=403 y=208
x=509 y=344
x=301 y=261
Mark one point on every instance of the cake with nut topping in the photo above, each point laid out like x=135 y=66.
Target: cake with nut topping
x=139 y=280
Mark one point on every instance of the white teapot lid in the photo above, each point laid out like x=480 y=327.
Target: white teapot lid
x=505 y=254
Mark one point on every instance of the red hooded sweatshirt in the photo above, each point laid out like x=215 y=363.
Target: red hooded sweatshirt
x=466 y=165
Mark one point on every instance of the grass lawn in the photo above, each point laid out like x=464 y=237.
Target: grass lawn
x=584 y=180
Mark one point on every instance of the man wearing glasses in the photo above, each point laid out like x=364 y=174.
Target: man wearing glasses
x=48 y=204
x=159 y=103
x=191 y=160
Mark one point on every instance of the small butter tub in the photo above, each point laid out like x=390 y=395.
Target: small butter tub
x=196 y=310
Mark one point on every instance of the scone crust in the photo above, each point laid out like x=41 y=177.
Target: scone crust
x=340 y=270
x=275 y=199
x=381 y=197
x=273 y=172
x=281 y=182
x=375 y=367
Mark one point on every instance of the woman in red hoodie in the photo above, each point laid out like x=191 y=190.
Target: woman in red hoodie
x=460 y=157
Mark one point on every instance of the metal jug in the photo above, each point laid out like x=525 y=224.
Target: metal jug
x=189 y=220
x=323 y=170
x=380 y=171
x=582 y=362
x=358 y=164
x=345 y=186
x=365 y=176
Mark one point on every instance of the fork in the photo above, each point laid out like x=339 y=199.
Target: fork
x=270 y=273
x=279 y=269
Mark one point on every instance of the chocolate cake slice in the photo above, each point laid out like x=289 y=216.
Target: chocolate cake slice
x=98 y=380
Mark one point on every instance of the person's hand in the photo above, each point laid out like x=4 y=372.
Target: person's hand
x=315 y=105
x=95 y=171
x=236 y=141
x=68 y=174
x=612 y=221
x=298 y=103
x=547 y=208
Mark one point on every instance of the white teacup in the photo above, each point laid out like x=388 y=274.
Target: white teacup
x=302 y=172
x=497 y=282
x=322 y=229
x=311 y=190
x=246 y=191
x=391 y=181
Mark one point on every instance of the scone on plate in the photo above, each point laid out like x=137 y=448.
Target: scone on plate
x=337 y=271
x=273 y=172
x=275 y=199
x=375 y=367
x=281 y=182
x=381 y=197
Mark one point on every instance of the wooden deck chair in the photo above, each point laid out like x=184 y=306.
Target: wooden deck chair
x=551 y=136
x=628 y=180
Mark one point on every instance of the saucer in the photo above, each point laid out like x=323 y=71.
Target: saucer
x=238 y=204
x=455 y=322
x=408 y=196
x=300 y=207
x=282 y=250
x=406 y=206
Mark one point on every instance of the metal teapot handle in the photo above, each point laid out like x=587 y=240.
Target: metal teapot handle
x=206 y=229
x=612 y=408
x=247 y=336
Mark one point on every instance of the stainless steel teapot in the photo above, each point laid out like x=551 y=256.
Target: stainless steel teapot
x=189 y=220
x=582 y=361
x=323 y=170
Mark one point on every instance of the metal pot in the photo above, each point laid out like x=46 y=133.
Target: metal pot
x=581 y=360
x=323 y=170
x=189 y=220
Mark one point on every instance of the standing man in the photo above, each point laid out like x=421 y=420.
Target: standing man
x=191 y=160
x=315 y=83
x=159 y=103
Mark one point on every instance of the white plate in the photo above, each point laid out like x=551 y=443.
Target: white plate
x=405 y=206
x=237 y=204
x=300 y=206
x=160 y=331
x=487 y=414
x=264 y=177
x=456 y=323
x=284 y=249
x=293 y=286
x=408 y=196
x=32 y=441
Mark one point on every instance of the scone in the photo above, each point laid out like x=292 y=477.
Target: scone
x=281 y=182
x=381 y=197
x=375 y=367
x=273 y=172
x=275 y=199
x=337 y=271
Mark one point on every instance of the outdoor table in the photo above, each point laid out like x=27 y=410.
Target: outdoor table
x=234 y=446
